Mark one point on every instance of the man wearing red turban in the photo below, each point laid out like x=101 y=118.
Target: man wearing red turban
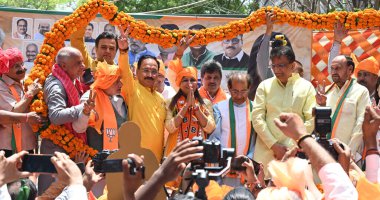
x=14 y=98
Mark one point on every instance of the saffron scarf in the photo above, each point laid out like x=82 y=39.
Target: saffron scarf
x=73 y=93
x=105 y=77
x=220 y=95
x=338 y=110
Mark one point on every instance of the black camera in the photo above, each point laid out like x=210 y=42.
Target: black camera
x=323 y=128
x=102 y=165
x=213 y=154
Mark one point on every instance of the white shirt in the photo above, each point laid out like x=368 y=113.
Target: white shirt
x=4 y=194
x=73 y=192
x=168 y=92
x=336 y=184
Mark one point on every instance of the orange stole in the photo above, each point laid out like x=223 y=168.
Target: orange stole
x=16 y=127
x=220 y=95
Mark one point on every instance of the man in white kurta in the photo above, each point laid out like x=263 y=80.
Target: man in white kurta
x=233 y=120
x=286 y=92
x=238 y=84
x=353 y=97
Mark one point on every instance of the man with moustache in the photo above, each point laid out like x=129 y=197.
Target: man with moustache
x=137 y=49
x=22 y=29
x=197 y=55
x=31 y=51
x=18 y=136
x=233 y=58
x=146 y=106
x=42 y=29
x=286 y=92
x=348 y=100
x=367 y=73
x=211 y=76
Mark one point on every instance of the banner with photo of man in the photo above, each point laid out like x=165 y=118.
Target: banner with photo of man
x=25 y=28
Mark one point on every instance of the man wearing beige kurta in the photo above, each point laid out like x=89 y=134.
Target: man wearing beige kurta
x=348 y=127
x=287 y=92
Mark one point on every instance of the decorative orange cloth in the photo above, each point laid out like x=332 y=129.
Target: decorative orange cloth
x=367 y=190
x=179 y=71
x=369 y=64
x=105 y=76
x=220 y=95
x=283 y=174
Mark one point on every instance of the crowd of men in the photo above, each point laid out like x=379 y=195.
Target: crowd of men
x=269 y=131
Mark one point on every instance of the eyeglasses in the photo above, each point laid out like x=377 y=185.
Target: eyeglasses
x=236 y=92
x=147 y=71
x=233 y=41
x=278 y=65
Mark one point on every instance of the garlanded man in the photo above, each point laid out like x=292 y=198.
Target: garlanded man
x=62 y=93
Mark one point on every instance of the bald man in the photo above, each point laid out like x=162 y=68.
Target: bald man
x=62 y=94
x=348 y=100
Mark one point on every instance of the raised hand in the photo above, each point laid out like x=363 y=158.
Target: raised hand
x=370 y=127
x=291 y=125
x=184 y=44
x=122 y=41
x=321 y=94
x=9 y=168
x=90 y=177
x=132 y=182
x=89 y=105
x=340 y=32
x=34 y=88
x=344 y=154
x=81 y=156
x=68 y=172
x=270 y=20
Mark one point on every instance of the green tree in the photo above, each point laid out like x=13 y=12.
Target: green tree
x=242 y=7
x=34 y=4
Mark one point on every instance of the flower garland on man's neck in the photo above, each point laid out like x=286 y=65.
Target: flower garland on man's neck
x=63 y=28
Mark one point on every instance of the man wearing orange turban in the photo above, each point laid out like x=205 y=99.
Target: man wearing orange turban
x=367 y=73
x=14 y=98
x=110 y=108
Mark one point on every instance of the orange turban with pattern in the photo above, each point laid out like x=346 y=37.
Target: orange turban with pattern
x=176 y=67
x=369 y=64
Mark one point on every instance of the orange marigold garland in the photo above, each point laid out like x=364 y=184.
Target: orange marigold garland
x=63 y=28
x=54 y=40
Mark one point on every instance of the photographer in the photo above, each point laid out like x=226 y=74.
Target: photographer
x=335 y=181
